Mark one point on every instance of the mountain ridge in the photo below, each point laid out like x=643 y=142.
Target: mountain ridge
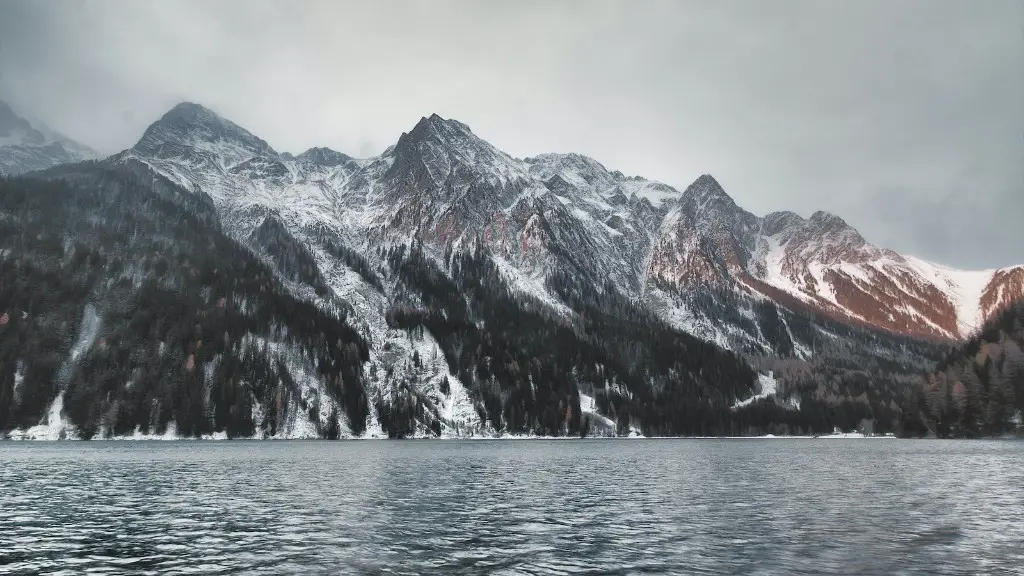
x=443 y=177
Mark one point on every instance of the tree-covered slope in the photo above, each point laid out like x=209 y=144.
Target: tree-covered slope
x=978 y=388
x=120 y=296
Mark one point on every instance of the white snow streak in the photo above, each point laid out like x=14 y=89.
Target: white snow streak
x=768 y=387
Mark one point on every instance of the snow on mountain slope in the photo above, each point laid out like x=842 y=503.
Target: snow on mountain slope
x=446 y=187
x=826 y=263
x=822 y=263
x=863 y=281
x=964 y=288
x=26 y=148
x=202 y=134
x=768 y=387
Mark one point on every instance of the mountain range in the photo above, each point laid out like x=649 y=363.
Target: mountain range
x=444 y=184
x=655 y=298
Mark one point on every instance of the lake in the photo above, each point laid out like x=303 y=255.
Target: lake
x=759 y=506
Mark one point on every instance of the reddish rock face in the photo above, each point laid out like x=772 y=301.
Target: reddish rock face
x=1005 y=287
x=821 y=263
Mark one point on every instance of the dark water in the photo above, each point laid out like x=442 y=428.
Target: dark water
x=514 y=507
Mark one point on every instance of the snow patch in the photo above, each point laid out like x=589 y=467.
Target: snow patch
x=54 y=425
x=837 y=434
x=768 y=387
x=964 y=288
x=588 y=407
x=87 y=333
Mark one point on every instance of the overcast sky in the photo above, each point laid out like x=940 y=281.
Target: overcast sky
x=905 y=118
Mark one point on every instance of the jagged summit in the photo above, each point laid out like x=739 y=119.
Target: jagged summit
x=828 y=218
x=574 y=169
x=191 y=125
x=823 y=231
x=437 y=129
x=776 y=222
x=704 y=191
x=579 y=161
x=192 y=112
x=588 y=169
x=446 y=152
x=432 y=131
x=714 y=213
x=821 y=225
x=437 y=121
x=585 y=174
x=325 y=157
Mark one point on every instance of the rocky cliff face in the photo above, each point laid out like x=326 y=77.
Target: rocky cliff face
x=1003 y=289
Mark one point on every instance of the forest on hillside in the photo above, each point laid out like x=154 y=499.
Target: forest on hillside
x=978 y=388
x=525 y=364
x=119 y=292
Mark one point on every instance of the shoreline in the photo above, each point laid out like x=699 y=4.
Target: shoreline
x=218 y=438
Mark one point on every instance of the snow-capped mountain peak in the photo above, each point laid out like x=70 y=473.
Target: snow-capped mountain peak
x=706 y=193
x=572 y=171
x=192 y=127
x=445 y=147
x=441 y=167
x=25 y=147
x=16 y=130
x=436 y=126
x=824 y=237
x=586 y=175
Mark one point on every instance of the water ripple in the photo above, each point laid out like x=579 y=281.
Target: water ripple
x=508 y=507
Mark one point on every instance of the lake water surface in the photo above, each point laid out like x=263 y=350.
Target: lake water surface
x=781 y=506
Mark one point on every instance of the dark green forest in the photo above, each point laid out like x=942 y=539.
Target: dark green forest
x=978 y=387
x=183 y=312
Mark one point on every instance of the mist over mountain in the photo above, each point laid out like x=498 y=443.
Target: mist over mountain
x=25 y=148
x=202 y=283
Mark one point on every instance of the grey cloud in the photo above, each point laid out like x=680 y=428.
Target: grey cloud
x=904 y=117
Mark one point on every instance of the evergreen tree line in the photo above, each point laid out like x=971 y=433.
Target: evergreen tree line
x=841 y=375
x=291 y=258
x=194 y=329
x=354 y=260
x=524 y=364
x=977 y=388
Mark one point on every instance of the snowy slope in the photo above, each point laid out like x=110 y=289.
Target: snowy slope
x=821 y=263
x=964 y=288
x=447 y=187
x=26 y=148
